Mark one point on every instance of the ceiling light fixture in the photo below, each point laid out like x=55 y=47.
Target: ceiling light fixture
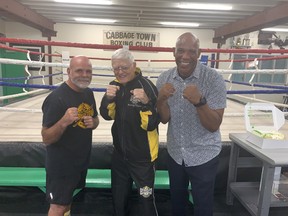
x=184 y=5
x=94 y=20
x=275 y=29
x=98 y=2
x=183 y=24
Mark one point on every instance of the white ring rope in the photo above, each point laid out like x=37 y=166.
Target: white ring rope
x=259 y=100
x=43 y=64
x=98 y=83
x=38 y=91
x=26 y=110
x=26 y=80
x=23 y=94
x=144 y=69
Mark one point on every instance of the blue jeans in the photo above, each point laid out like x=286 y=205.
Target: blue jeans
x=202 y=179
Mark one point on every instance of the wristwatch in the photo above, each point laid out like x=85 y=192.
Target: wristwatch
x=201 y=103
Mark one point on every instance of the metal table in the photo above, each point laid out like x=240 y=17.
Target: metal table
x=256 y=197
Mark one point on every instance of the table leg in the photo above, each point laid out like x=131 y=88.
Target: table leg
x=264 y=199
x=232 y=172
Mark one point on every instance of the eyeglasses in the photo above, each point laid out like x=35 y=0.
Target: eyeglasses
x=122 y=68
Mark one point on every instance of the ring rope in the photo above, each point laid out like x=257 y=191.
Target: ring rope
x=106 y=75
x=280 y=91
x=145 y=69
x=277 y=91
x=258 y=85
x=26 y=110
x=32 y=77
x=249 y=59
x=260 y=100
x=50 y=64
x=139 y=48
x=23 y=94
x=3 y=46
x=50 y=87
x=144 y=60
x=160 y=70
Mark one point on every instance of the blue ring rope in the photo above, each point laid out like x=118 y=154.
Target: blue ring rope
x=41 y=86
x=258 y=85
x=278 y=91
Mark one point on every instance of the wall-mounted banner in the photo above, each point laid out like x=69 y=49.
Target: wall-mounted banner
x=131 y=38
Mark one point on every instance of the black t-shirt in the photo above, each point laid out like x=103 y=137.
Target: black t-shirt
x=71 y=153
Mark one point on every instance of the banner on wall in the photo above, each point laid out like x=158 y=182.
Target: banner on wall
x=131 y=38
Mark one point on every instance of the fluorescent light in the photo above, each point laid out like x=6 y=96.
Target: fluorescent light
x=180 y=24
x=98 y=2
x=199 y=6
x=275 y=29
x=93 y=20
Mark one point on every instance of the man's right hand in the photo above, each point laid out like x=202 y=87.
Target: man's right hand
x=166 y=91
x=70 y=116
x=111 y=91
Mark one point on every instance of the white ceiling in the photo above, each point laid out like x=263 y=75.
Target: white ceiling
x=148 y=13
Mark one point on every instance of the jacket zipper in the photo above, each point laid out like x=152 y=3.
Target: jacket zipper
x=122 y=126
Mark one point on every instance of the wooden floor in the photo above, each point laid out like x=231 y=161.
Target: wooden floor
x=26 y=126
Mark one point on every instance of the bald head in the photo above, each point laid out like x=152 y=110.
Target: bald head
x=188 y=37
x=76 y=60
x=186 y=54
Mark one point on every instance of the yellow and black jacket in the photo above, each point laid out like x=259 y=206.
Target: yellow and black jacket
x=135 y=127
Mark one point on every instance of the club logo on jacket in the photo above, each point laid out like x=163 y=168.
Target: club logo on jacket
x=146 y=191
x=135 y=102
x=84 y=109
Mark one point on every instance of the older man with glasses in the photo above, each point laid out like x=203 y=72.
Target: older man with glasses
x=130 y=100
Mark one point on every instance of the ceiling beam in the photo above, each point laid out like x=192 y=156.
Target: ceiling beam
x=12 y=9
x=268 y=18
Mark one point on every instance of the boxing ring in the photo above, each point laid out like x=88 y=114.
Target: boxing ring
x=21 y=121
x=21 y=117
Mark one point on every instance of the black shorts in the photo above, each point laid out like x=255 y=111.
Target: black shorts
x=59 y=189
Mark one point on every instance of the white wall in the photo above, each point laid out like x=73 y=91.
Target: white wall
x=93 y=34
